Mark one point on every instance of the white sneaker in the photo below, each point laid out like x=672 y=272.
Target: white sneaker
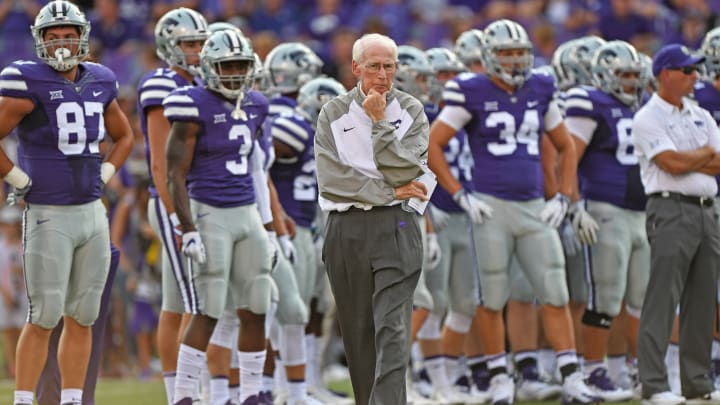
x=281 y=397
x=449 y=395
x=414 y=398
x=304 y=401
x=530 y=387
x=502 y=390
x=477 y=397
x=602 y=386
x=322 y=394
x=709 y=398
x=664 y=398
x=575 y=391
x=335 y=372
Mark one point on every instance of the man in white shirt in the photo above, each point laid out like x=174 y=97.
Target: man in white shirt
x=677 y=144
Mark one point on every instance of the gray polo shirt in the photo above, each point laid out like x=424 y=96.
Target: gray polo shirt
x=359 y=164
x=660 y=126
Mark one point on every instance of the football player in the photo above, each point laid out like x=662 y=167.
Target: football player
x=211 y=142
x=504 y=113
x=179 y=36
x=62 y=108
x=600 y=120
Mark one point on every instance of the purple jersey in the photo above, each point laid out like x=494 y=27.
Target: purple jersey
x=459 y=158
x=609 y=169
x=708 y=97
x=282 y=104
x=504 y=131
x=294 y=177
x=60 y=139
x=220 y=172
x=152 y=90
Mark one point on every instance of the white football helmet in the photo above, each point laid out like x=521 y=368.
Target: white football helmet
x=55 y=14
x=502 y=35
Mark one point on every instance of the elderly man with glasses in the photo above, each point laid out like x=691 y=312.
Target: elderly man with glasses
x=370 y=146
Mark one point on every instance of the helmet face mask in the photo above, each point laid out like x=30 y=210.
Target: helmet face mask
x=313 y=95
x=710 y=48
x=175 y=28
x=290 y=65
x=572 y=61
x=618 y=70
x=64 y=51
x=508 y=53
x=227 y=63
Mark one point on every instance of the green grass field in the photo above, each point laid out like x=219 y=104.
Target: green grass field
x=123 y=392
x=126 y=391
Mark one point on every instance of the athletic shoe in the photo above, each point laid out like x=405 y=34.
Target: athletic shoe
x=603 y=387
x=575 y=391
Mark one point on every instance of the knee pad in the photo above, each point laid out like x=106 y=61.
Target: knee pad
x=597 y=319
x=226 y=329
x=430 y=330
x=260 y=294
x=458 y=322
x=292 y=344
x=48 y=314
x=555 y=287
x=87 y=309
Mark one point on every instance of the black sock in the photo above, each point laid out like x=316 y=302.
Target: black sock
x=568 y=369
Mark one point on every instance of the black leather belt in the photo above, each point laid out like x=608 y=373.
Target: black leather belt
x=691 y=199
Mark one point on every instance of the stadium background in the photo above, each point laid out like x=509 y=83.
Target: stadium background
x=122 y=38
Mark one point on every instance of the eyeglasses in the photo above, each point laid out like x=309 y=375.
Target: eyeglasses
x=688 y=70
x=375 y=67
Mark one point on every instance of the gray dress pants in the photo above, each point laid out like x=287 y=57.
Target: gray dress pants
x=685 y=255
x=373 y=261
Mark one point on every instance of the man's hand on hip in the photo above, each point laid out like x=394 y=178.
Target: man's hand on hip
x=413 y=189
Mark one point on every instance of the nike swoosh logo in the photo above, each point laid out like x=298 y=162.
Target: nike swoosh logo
x=97 y=93
x=203 y=215
x=348 y=129
x=42 y=221
x=253 y=116
x=532 y=104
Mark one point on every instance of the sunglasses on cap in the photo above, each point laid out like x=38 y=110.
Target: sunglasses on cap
x=688 y=70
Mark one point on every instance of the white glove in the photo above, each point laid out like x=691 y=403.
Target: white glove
x=274 y=248
x=433 y=253
x=584 y=225
x=193 y=246
x=438 y=217
x=570 y=242
x=555 y=210
x=18 y=194
x=476 y=209
x=287 y=248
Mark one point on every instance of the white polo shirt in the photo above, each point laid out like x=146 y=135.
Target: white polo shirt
x=660 y=126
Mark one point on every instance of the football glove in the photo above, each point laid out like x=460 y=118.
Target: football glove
x=583 y=223
x=18 y=194
x=555 y=209
x=433 y=253
x=192 y=246
x=474 y=207
x=287 y=248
